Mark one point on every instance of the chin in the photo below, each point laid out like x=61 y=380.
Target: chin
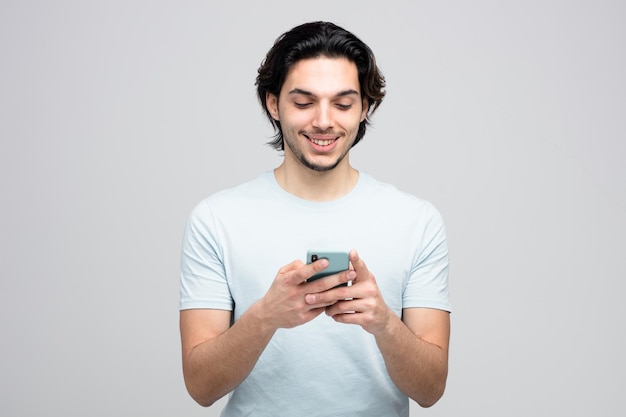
x=320 y=167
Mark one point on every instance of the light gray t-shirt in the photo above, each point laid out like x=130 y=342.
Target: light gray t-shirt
x=236 y=241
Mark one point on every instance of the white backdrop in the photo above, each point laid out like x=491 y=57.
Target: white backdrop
x=117 y=117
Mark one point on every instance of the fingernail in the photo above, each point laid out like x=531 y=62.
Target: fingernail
x=309 y=298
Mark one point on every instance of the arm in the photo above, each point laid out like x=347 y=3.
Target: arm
x=416 y=352
x=218 y=357
x=210 y=368
x=415 y=348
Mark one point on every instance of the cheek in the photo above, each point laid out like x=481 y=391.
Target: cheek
x=294 y=119
x=351 y=121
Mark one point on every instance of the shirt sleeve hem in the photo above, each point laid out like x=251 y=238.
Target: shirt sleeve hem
x=204 y=305
x=426 y=304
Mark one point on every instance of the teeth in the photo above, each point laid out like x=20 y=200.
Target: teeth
x=322 y=142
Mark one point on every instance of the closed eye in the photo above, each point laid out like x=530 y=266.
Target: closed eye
x=301 y=105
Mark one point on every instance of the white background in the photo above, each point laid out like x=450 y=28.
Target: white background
x=117 y=117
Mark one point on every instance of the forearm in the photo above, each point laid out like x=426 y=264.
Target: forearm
x=214 y=368
x=418 y=368
x=218 y=357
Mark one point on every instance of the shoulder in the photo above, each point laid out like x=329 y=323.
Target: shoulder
x=389 y=196
x=235 y=198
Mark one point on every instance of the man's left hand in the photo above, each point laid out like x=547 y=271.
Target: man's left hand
x=361 y=303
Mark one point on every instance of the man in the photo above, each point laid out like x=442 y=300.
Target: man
x=263 y=336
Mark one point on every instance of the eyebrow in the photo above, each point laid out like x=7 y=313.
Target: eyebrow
x=343 y=93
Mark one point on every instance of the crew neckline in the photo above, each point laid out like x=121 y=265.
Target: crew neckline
x=309 y=203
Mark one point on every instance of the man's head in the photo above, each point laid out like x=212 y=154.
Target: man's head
x=315 y=40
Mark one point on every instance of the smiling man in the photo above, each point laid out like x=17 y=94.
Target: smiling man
x=252 y=325
x=319 y=109
x=320 y=102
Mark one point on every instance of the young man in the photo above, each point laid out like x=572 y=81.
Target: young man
x=283 y=346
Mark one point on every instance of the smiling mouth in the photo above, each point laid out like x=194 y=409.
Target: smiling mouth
x=321 y=139
x=322 y=142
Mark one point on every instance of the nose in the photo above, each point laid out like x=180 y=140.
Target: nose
x=323 y=117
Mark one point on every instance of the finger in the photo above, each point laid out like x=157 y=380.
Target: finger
x=329 y=290
x=349 y=318
x=330 y=281
x=303 y=272
x=290 y=267
x=346 y=307
x=359 y=266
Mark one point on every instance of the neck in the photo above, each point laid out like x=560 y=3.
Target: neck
x=315 y=185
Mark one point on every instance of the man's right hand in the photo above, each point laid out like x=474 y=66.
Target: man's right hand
x=284 y=305
x=210 y=368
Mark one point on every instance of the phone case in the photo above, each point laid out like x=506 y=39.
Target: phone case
x=338 y=261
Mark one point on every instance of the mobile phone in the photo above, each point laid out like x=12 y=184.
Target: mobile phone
x=338 y=261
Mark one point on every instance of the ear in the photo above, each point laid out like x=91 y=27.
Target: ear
x=365 y=107
x=271 y=101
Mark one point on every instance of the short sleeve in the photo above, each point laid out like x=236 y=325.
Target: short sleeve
x=203 y=282
x=428 y=282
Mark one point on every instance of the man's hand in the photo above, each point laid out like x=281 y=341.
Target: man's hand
x=208 y=339
x=284 y=304
x=415 y=349
x=361 y=303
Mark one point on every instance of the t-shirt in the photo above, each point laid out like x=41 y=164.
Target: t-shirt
x=236 y=241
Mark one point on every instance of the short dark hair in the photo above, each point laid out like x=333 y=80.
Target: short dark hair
x=312 y=40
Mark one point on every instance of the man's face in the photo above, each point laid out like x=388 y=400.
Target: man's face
x=319 y=109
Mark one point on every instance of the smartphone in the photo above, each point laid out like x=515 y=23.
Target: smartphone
x=338 y=261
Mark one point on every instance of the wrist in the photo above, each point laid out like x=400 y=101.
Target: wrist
x=259 y=317
x=389 y=325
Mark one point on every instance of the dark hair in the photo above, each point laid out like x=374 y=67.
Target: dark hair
x=311 y=40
